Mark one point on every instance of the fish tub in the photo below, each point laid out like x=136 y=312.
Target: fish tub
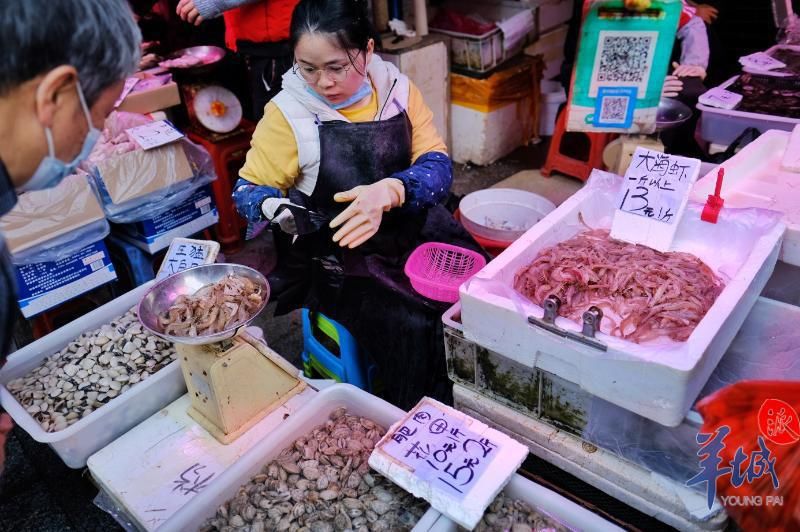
x=658 y=379
x=88 y=435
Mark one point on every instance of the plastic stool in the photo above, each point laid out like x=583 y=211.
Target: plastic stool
x=346 y=367
x=557 y=161
x=224 y=152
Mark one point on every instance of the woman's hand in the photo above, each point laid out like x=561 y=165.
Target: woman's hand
x=188 y=12
x=672 y=87
x=362 y=217
x=688 y=71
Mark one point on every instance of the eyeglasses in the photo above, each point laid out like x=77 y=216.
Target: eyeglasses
x=310 y=74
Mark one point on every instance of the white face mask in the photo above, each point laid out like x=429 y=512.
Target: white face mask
x=51 y=171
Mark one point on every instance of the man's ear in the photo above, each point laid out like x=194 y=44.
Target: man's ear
x=52 y=91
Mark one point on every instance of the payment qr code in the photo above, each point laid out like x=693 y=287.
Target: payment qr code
x=614 y=109
x=624 y=59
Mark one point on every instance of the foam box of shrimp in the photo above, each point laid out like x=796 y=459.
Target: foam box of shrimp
x=655 y=376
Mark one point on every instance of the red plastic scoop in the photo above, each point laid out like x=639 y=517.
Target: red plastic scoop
x=714 y=203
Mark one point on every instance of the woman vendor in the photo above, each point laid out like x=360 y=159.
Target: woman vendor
x=347 y=158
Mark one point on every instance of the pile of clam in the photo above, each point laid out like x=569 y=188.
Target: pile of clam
x=506 y=513
x=322 y=483
x=90 y=371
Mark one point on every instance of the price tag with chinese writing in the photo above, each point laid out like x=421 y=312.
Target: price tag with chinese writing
x=761 y=61
x=154 y=134
x=185 y=253
x=718 y=97
x=453 y=461
x=653 y=198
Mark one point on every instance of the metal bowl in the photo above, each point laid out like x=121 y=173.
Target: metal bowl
x=208 y=55
x=671 y=113
x=164 y=293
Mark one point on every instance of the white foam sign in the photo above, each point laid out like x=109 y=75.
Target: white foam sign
x=653 y=198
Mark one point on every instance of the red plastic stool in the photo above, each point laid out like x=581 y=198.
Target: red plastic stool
x=557 y=161
x=227 y=152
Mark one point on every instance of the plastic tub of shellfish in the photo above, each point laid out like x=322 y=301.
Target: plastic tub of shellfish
x=743 y=246
x=91 y=433
x=547 y=503
x=316 y=412
x=722 y=126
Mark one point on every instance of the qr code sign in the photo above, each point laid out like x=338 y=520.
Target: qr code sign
x=614 y=109
x=624 y=59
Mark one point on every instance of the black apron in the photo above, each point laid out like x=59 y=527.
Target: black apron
x=365 y=289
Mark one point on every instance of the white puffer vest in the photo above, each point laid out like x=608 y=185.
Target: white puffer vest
x=303 y=111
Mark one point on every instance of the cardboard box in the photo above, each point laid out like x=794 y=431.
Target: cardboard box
x=190 y=217
x=44 y=285
x=151 y=100
x=42 y=215
x=550 y=46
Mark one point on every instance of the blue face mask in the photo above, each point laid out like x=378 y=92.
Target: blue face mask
x=363 y=91
x=51 y=170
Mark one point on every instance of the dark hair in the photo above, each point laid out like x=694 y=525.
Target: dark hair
x=347 y=20
x=98 y=37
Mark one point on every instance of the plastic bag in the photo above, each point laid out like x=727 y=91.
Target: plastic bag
x=752 y=417
x=150 y=172
x=53 y=224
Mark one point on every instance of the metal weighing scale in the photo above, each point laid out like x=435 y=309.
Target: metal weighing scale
x=618 y=154
x=233 y=379
x=210 y=107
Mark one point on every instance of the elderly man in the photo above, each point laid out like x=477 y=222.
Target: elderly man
x=63 y=66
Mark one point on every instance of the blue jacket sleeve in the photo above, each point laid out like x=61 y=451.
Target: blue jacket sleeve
x=427 y=181
x=248 y=199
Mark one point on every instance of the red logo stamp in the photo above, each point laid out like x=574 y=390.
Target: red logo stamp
x=778 y=422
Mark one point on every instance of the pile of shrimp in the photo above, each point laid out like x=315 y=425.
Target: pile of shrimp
x=214 y=308
x=644 y=294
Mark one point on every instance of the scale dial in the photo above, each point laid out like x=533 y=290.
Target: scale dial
x=217 y=109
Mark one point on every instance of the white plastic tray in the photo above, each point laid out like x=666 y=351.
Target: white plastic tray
x=313 y=413
x=541 y=498
x=754 y=178
x=659 y=384
x=722 y=126
x=76 y=443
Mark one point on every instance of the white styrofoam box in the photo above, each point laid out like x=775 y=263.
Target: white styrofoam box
x=552 y=13
x=175 y=457
x=540 y=498
x=553 y=95
x=754 y=178
x=482 y=138
x=77 y=442
x=675 y=372
x=44 y=285
x=722 y=126
x=314 y=413
x=668 y=501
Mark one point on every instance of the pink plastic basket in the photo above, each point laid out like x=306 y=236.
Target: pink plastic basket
x=436 y=270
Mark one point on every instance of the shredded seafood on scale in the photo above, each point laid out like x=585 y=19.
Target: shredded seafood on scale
x=213 y=308
x=644 y=294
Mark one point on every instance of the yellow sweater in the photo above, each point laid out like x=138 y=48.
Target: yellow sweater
x=272 y=159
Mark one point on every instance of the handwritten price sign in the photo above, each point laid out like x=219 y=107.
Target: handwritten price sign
x=656 y=187
x=760 y=61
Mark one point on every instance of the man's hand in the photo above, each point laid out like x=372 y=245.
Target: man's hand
x=672 y=87
x=707 y=13
x=688 y=71
x=188 y=12
x=5 y=428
